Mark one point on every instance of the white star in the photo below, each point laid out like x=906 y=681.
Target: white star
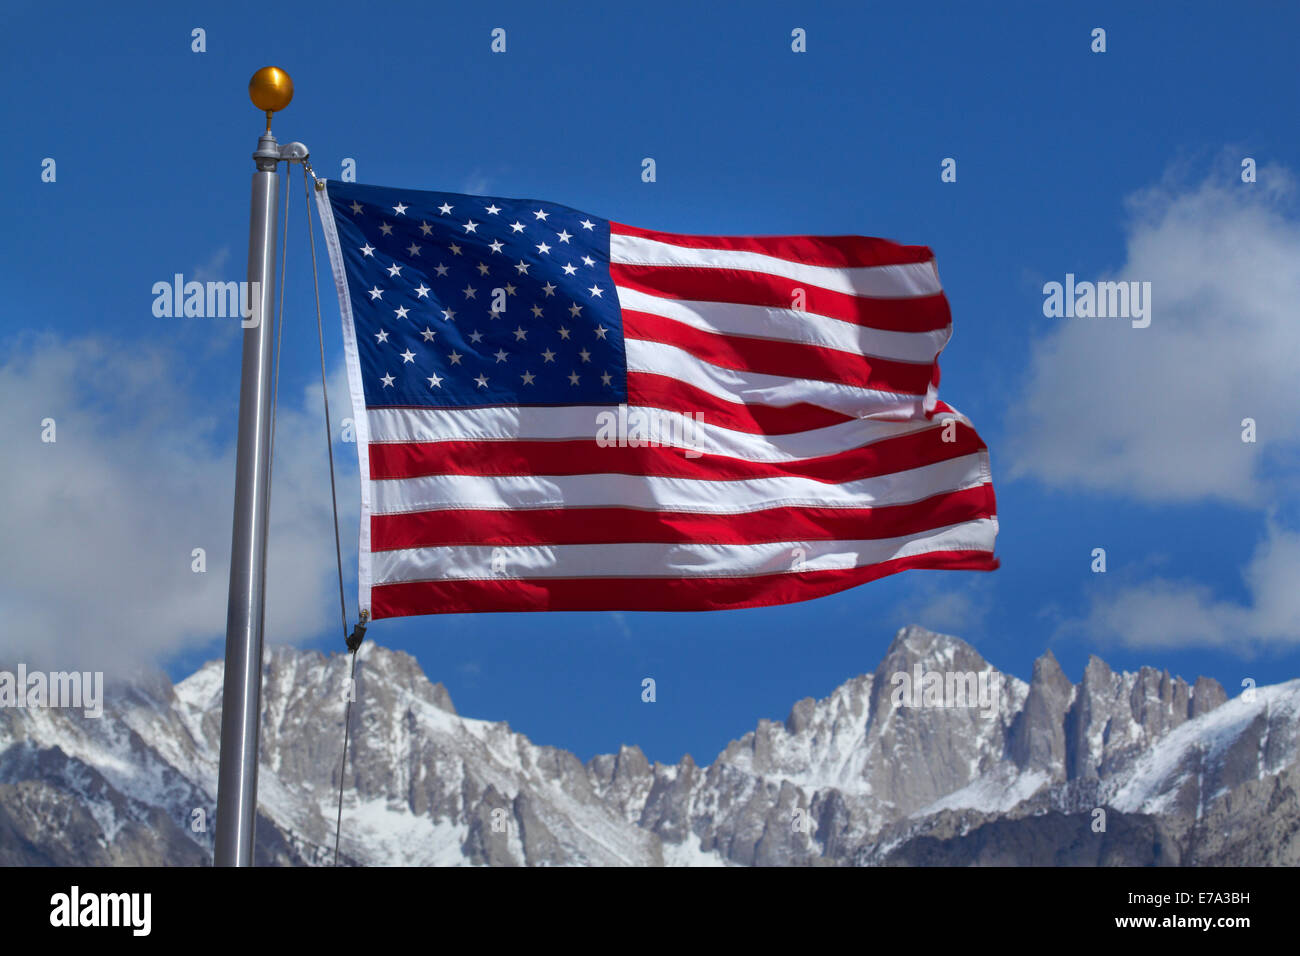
x=471 y=226
x=541 y=215
x=482 y=381
x=601 y=331
x=510 y=290
x=595 y=290
x=588 y=261
x=388 y=381
x=570 y=269
x=400 y=209
x=548 y=356
x=470 y=291
x=573 y=378
x=587 y=225
x=564 y=333
x=425 y=228
x=528 y=378
x=501 y=355
x=543 y=248
x=517 y=226
x=394 y=270
x=606 y=379
x=440 y=269
x=408 y=356
x=455 y=249
x=493 y=209
x=482 y=269
x=496 y=245
x=428 y=334
x=455 y=358
x=422 y=290
x=575 y=310
x=401 y=311
x=564 y=236
x=475 y=336
x=449 y=315
x=367 y=250
x=549 y=290
x=376 y=293
x=356 y=208
x=585 y=355
x=435 y=381
x=381 y=336
x=444 y=208
x=412 y=250
x=537 y=310
x=494 y=313
x=386 y=229
x=522 y=267
x=520 y=333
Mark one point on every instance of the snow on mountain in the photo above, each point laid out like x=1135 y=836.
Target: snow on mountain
x=1242 y=740
x=936 y=756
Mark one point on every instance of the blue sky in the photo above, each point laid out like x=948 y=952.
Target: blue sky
x=1117 y=164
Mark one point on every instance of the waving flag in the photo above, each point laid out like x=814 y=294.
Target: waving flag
x=558 y=412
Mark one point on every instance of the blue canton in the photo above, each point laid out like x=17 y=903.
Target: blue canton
x=462 y=301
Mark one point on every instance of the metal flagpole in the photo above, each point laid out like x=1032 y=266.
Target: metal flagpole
x=241 y=701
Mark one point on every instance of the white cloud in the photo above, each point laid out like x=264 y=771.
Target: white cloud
x=98 y=527
x=214 y=269
x=946 y=603
x=476 y=183
x=1156 y=413
x=1164 y=613
x=620 y=622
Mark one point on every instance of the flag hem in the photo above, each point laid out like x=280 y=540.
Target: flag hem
x=360 y=423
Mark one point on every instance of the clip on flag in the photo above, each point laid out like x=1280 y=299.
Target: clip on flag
x=558 y=412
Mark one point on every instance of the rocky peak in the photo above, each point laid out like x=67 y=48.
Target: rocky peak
x=1037 y=739
x=1207 y=694
x=1115 y=716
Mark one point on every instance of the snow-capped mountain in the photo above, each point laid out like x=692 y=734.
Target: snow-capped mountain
x=934 y=758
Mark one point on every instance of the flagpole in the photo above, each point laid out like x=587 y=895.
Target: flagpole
x=241 y=700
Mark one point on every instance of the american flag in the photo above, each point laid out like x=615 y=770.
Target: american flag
x=558 y=412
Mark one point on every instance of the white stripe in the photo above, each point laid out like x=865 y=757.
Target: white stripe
x=880 y=282
x=577 y=423
x=669 y=560
x=658 y=493
x=353 y=361
x=787 y=325
x=756 y=388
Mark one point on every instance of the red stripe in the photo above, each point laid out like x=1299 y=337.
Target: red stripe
x=834 y=252
x=772 y=357
x=649 y=594
x=543 y=526
x=924 y=313
x=393 y=460
x=671 y=394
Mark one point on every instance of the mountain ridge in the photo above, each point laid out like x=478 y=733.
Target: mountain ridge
x=877 y=772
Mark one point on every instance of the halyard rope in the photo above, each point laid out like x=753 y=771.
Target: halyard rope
x=334 y=501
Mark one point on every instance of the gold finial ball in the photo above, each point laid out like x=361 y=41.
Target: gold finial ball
x=270 y=89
